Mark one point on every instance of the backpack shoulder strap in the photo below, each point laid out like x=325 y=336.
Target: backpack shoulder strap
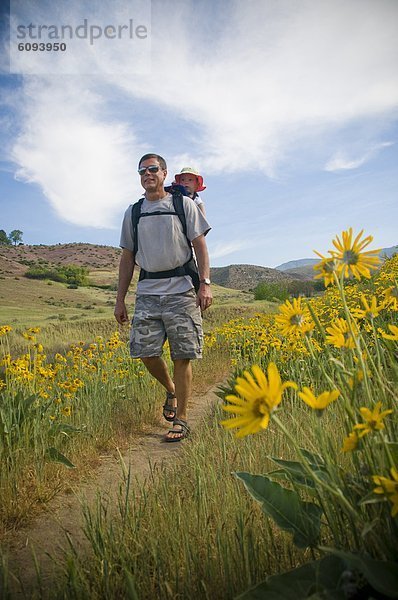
x=135 y=217
x=178 y=204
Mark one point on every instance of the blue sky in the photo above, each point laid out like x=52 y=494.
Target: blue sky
x=289 y=109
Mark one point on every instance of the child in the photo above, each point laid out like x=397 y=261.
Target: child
x=192 y=181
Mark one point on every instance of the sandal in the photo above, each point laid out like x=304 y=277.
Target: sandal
x=168 y=407
x=183 y=432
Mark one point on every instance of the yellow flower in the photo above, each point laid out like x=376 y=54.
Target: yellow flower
x=2 y=384
x=4 y=329
x=388 y=487
x=339 y=335
x=351 y=442
x=294 y=318
x=391 y=297
x=318 y=403
x=29 y=337
x=6 y=361
x=258 y=397
x=369 y=311
x=59 y=358
x=327 y=267
x=67 y=411
x=373 y=419
x=350 y=258
x=394 y=331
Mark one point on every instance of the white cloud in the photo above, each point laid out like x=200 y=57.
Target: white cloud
x=82 y=161
x=224 y=249
x=258 y=83
x=341 y=161
x=276 y=74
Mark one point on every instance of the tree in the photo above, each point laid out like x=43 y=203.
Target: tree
x=15 y=236
x=4 y=240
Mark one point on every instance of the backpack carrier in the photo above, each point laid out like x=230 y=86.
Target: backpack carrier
x=190 y=267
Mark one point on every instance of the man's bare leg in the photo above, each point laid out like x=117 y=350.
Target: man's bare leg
x=158 y=369
x=183 y=390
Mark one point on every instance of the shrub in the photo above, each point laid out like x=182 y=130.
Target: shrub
x=271 y=291
x=70 y=274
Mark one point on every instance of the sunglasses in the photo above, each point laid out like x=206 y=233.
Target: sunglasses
x=151 y=169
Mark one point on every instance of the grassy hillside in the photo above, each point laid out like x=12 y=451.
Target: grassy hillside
x=34 y=302
x=29 y=302
x=14 y=259
x=37 y=302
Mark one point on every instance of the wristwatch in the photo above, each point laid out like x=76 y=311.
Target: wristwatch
x=205 y=280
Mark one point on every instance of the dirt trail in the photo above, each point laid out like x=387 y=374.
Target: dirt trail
x=46 y=539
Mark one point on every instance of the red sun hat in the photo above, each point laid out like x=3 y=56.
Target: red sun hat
x=199 y=177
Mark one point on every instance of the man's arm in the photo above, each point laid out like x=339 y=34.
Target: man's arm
x=126 y=270
x=204 y=297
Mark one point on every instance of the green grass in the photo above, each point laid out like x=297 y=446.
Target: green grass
x=68 y=315
x=33 y=302
x=192 y=531
x=109 y=405
x=117 y=399
x=233 y=304
x=27 y=303
x=188 y=531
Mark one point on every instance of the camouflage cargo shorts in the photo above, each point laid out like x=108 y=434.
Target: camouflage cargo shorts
x=173 y=317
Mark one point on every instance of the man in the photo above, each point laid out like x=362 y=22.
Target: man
x=166 y=307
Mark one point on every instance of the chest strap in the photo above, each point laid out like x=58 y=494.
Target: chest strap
x=190 y=267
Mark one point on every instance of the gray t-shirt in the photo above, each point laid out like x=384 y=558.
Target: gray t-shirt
x=162 y=244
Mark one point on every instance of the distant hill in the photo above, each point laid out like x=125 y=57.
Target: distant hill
x=306 y=272
x=246 y=277
x=103 y=261
x=388 y=252
x=15 y=260
x=295 y=264
x=299 y=269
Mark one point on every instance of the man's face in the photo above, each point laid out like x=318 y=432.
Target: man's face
x=152 y=182
x=190 y=182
